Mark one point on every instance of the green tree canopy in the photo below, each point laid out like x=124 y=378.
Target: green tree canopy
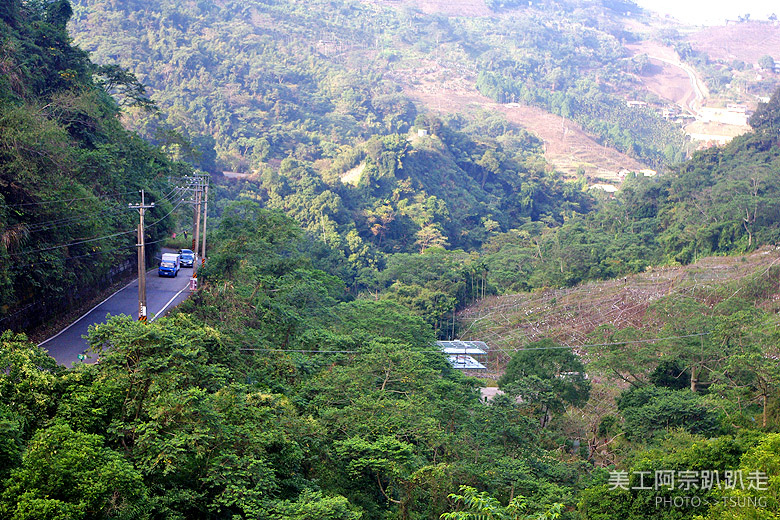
x=547 y=375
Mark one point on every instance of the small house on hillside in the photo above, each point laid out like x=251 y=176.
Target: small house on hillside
x=608 y=188
x=235 y=175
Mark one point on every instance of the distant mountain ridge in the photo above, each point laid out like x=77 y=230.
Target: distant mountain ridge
x=184 y=53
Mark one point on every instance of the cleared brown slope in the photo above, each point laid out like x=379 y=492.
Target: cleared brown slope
x=567 y=146
x=508 y=322
x=739 y=41
x=665 y=78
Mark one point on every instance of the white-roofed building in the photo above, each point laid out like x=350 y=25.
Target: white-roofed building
x=465 y=355
x=464 y=362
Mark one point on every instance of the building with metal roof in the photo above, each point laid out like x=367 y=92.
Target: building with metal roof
x=461 y=353
x=464 y=362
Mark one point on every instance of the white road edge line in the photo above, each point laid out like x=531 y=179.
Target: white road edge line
x=169 y=302
x=92 y=309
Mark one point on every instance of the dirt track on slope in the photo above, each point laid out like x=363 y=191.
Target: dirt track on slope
x=667 y=77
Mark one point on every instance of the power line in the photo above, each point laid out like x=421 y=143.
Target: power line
x=649 y=340
x=38 y=227
x=646 y=340
x=55 y=224
x=66 y=221
x=85 y=255
x=308 y=351
x=17 y=267
x=56 y=201
x=43 y=249
x=79 y=242
x=166 y=215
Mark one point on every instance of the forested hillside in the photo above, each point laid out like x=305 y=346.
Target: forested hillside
x=310 y=99
x=724 y=200
x=272 y=394
x=306 y=102
x=301 y=380
x=67 y=168
x=254 y=74
x=268 y=395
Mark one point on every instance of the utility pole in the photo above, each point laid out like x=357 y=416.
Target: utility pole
x=142 y=207
x=196 y=224
x=205 y=215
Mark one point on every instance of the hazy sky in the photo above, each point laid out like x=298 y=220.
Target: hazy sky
x=713 y=12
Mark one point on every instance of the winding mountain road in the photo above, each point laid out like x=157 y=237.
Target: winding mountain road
x=699 y=89
x=162 y=294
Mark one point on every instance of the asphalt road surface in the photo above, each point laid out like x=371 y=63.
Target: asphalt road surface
x=162 y=294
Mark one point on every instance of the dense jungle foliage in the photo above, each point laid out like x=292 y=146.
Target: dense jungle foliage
x=301 y=380
x=274 y=394
x=268 y=395
x=722 y=201
x=310 y=98
x=67 y=166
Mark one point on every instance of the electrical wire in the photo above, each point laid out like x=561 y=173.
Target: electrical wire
x=71 y=200
x=55 y=224
x=68 y=221
x=71 y=258
x=55 y=201
x=171 y=197
x=79 y=242
x=592 y=345
x=102 y=252
x=649 y=340
x=166 y=215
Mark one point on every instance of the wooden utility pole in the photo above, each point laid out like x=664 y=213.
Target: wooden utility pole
x=196 y=217
x=142 y=207
x=205 y=216
x=196 y=224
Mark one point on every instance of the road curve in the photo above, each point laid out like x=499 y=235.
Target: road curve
x=161 y=295
x=699 y=89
